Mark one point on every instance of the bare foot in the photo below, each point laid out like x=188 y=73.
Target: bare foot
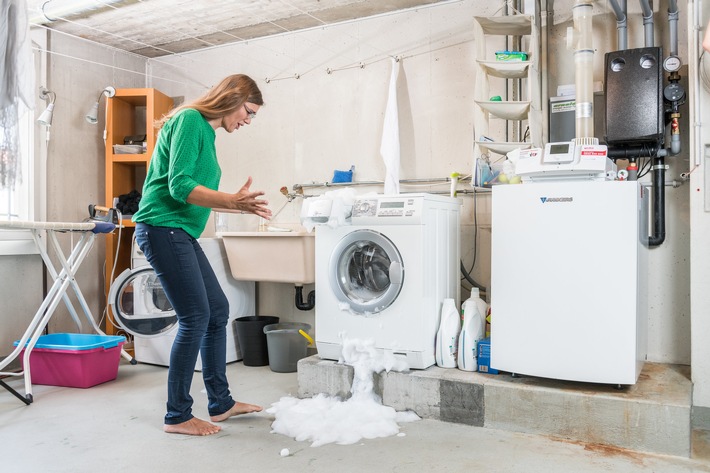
x=193 y=426
x=237 y=409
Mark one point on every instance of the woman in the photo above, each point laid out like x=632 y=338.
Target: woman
x=179 y=192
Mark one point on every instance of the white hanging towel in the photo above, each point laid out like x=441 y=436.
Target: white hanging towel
x=389 y=149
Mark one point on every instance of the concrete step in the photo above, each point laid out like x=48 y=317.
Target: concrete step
x=654 y=415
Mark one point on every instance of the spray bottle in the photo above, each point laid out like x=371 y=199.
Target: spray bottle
x=448 y=334
x=474 y=323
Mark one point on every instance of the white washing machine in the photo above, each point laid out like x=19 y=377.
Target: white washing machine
x=384 y=277
x=140 y=306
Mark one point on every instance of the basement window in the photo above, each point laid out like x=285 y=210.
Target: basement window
x=17 y=202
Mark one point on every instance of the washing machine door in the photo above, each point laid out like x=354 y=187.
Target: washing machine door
x=139 y=303
x=366 y=271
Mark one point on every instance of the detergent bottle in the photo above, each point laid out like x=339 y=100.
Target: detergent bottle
x=474 y=323
x=447 y=336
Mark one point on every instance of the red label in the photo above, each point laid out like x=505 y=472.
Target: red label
x=593 y=153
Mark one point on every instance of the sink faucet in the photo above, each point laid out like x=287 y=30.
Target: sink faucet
x=290 y=195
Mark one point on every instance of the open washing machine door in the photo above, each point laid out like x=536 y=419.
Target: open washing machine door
x=139 y=303
x=366 y=271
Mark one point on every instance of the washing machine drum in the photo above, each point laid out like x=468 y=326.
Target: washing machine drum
x=366 y=271
x=139 y=303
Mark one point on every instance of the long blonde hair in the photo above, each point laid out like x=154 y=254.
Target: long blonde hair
x=222 y=99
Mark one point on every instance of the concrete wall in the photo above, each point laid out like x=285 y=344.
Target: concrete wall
x=77 y=71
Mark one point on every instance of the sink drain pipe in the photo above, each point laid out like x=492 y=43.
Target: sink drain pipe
x=300 y=304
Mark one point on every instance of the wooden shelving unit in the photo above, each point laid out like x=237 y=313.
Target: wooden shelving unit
x=130 y=112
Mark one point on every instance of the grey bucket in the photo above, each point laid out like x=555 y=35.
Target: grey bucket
x=286 y=346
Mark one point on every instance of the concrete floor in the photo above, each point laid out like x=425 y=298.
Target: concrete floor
x=117 y=426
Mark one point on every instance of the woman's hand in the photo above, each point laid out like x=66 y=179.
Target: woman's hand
x=249 y=202
x=244 y=201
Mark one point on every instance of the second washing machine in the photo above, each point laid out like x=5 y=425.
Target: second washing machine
x=141 y=308
x=385 y=276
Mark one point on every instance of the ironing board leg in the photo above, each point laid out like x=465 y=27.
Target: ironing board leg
x=53 y=273
x=27 y=400
x=56 y=293
x=70 y=265
x=64 y=279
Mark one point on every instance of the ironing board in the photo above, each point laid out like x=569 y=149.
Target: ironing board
x=62 y=281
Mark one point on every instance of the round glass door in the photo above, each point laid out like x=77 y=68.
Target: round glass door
x=366 y=272
x=139 y=303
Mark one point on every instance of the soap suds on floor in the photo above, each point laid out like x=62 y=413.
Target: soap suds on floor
x=325 y=419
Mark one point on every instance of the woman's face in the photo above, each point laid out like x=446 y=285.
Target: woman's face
x=240 y=117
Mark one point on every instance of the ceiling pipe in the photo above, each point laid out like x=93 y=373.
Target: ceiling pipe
x=54 y=10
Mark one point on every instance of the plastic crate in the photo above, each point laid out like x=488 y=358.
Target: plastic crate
x=74 y=360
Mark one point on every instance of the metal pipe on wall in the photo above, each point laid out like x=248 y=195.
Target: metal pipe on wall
x=621 y=19
x=673 y=26
x=647 y=22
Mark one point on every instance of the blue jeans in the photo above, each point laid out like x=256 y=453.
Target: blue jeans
x=202 y=311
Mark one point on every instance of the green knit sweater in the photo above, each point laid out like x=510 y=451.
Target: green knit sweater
x=184 y=157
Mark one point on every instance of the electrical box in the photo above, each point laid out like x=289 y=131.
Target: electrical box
x=633 y=84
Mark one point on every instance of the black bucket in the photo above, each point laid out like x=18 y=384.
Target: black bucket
x=252 y=339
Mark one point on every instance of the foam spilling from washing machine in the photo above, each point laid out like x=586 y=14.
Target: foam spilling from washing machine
x=325 y=419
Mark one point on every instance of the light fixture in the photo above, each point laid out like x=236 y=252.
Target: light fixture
x=46 y=117
x=92 y=115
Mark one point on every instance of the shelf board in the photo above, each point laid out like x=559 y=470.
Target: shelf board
x=502 y=147
x=515 y=110
x=506 y=69
x=130 y=158
x=508 y=25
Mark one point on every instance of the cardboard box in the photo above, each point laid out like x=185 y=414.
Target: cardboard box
x=484 y=357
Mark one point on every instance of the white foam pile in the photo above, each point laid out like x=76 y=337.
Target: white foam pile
x=325 y=419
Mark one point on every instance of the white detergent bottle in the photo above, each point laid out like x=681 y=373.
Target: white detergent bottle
x=447 y=336
x=473 y=330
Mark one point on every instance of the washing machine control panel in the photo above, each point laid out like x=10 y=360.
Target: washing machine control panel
x=377 y=208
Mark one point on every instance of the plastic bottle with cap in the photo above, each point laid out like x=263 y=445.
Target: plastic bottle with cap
x=448 y=335
x=473 y=330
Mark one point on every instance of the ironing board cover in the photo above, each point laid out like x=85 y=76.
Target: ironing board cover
x=96 y=227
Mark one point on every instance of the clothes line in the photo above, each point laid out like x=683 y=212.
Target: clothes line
x=54 y=53
x=363 y=64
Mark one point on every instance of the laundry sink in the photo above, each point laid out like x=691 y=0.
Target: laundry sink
x=272 y=256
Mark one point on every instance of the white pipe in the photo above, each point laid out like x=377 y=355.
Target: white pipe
x=54 y=10
x=579 y=38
